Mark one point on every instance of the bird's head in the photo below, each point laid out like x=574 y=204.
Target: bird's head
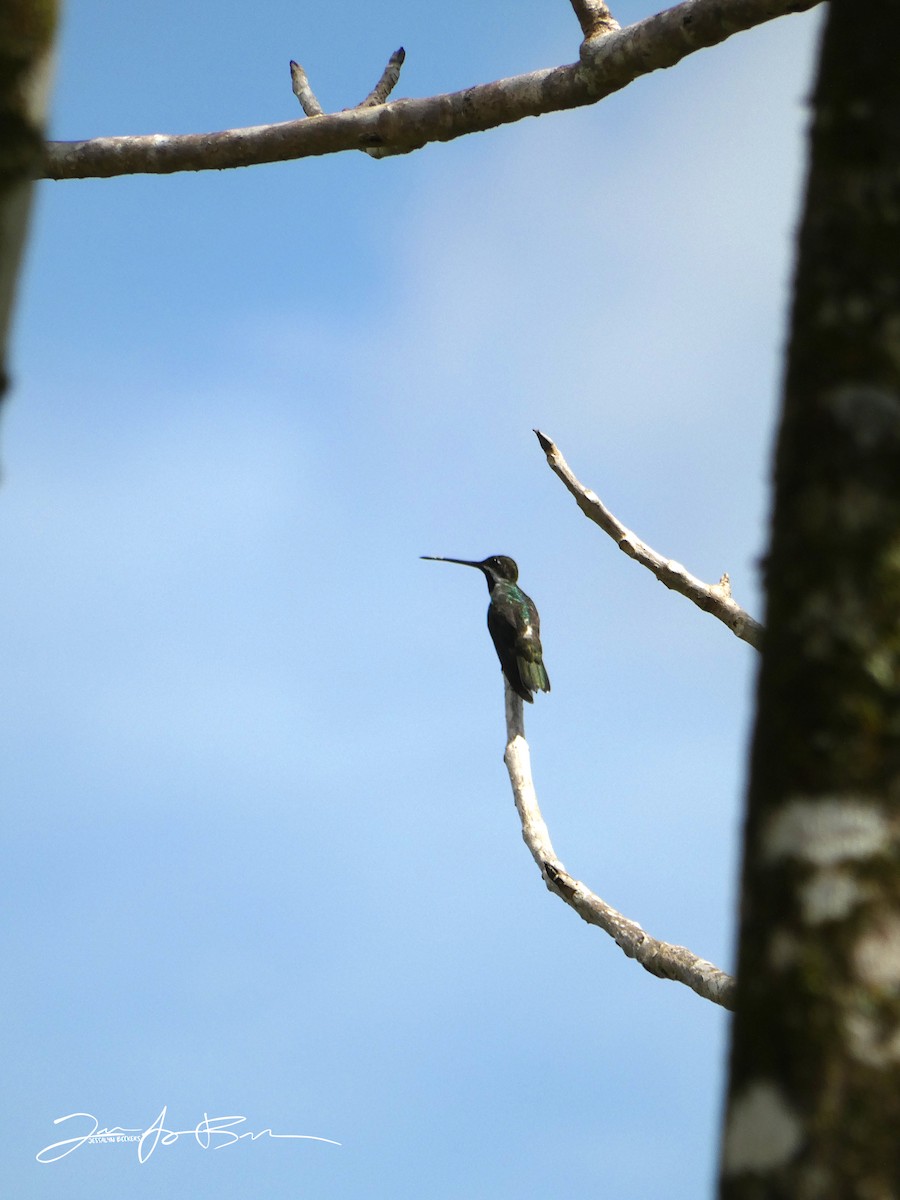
x=498 y=567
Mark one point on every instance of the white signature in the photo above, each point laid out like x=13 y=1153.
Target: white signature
x=212 y=1133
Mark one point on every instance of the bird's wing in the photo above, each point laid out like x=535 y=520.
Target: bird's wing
x=504 y=635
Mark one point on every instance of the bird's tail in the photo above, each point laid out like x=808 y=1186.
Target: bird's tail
x=534 y=675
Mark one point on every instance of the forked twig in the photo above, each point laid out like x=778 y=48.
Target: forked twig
x=378 y=95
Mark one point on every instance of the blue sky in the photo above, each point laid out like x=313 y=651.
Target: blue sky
x=261 y=850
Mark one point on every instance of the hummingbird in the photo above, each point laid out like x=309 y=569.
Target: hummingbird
x=513 y=622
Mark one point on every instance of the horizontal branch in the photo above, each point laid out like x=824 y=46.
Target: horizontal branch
x=608 y=64
x=659 y=958
x=714 y=598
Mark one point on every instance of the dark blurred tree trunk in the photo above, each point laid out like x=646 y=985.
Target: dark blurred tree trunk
x=814 y=1098
x=26 y=43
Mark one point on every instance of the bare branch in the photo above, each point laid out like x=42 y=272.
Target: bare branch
x=659 y=958
x=607 y=65
x=594 y=18
x=712 y=598
x=304 y=93
x=387 y=82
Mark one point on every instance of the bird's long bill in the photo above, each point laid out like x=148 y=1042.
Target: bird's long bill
x=463 y=562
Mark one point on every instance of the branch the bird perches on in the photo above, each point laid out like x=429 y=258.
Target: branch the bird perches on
x=659 y=958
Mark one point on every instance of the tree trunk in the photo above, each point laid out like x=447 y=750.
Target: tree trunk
x=26 y=41
x=814 y=1095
